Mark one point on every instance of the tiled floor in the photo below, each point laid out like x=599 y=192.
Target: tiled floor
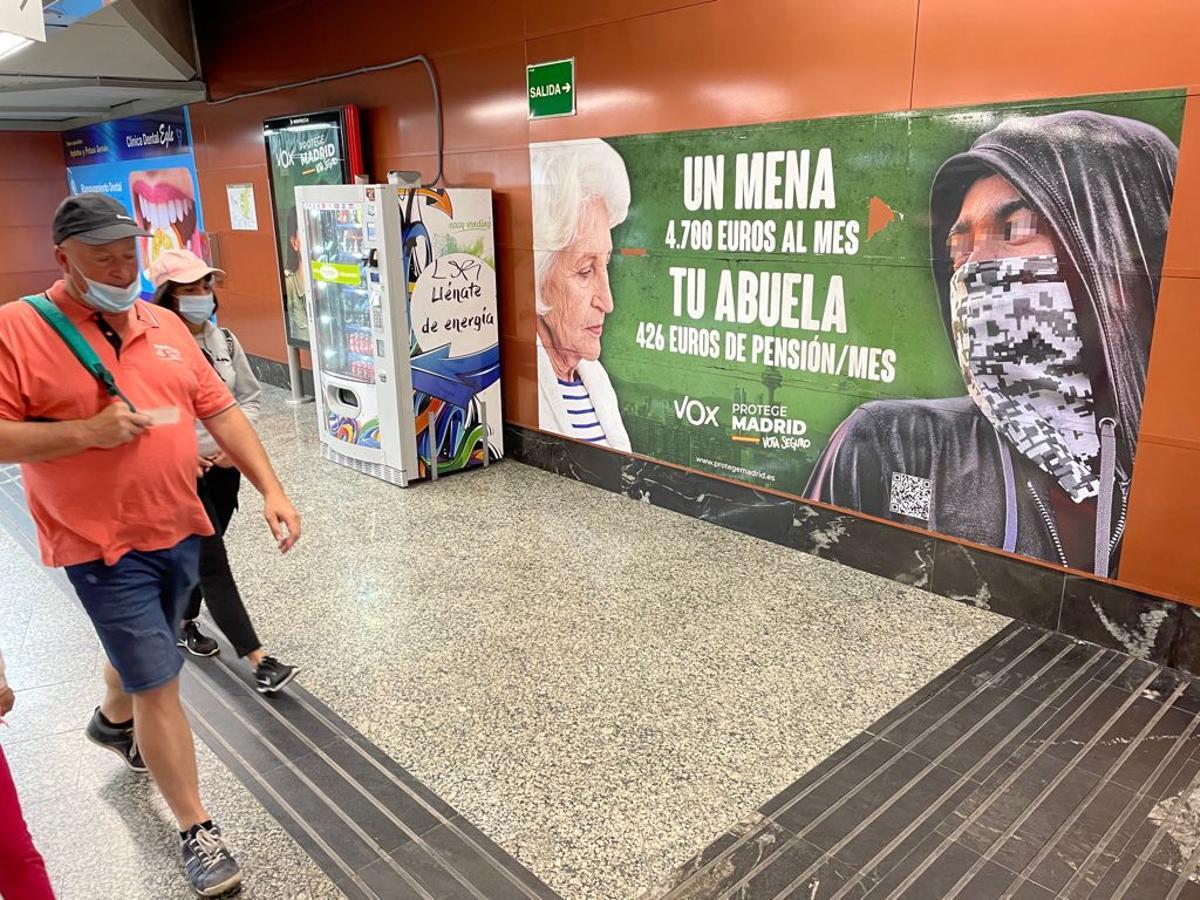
x=599 y=685
x=368 y=824
x=97 y=824
x=1037 y=768
x=513 y=668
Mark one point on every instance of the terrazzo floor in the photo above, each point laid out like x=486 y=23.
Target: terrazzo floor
x=103 y=831
x=599 y=685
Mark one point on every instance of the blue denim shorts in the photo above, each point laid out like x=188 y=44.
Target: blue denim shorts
x=137 y=606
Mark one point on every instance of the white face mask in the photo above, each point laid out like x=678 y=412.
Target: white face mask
x=1020 y=351
x=105 y=298
x=197 y=308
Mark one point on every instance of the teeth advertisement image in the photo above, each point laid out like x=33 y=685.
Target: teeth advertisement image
x=146 y=163
x=941 y=318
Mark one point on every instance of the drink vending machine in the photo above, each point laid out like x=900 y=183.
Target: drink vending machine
x=405 y=346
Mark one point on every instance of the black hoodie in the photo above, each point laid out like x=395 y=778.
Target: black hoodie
x=1104 y=184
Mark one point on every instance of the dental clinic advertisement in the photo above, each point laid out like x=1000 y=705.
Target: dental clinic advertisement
x=146 y=163
x=941 y=318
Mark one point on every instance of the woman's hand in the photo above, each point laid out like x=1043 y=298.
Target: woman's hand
x=7 y=699
x=203 y=464
x=221 y=460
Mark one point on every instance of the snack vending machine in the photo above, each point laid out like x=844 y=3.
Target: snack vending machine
x=406 y=354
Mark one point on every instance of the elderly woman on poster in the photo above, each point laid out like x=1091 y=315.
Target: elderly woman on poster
x=580 y=193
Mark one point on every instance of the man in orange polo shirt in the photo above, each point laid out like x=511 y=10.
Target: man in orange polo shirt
x=113 y=492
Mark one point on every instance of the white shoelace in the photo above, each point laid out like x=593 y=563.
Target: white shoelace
x=209 y=847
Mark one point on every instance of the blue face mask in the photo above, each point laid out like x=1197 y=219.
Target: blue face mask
x=197 y=308
x=108 y=299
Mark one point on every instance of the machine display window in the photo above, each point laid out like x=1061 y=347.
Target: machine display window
x=341 y=299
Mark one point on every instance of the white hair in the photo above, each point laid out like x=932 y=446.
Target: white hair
x=565 y=176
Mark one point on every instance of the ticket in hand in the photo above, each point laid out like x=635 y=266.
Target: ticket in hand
x=164 y=415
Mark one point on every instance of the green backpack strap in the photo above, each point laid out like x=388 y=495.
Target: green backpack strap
x=78 y=345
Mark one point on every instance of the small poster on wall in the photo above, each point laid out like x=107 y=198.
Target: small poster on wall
x=242 y=214
x=312 y=149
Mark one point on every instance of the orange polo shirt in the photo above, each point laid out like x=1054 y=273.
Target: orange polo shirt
x=100 y=504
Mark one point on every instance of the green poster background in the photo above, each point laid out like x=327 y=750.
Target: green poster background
x=311 y=154
x=890 y=298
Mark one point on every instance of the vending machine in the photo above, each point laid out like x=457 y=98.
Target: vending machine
x=405 y=346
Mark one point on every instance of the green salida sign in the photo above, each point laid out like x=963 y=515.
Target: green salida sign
x=551 y=88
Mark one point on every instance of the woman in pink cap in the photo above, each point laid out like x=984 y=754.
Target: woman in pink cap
x=184 y=285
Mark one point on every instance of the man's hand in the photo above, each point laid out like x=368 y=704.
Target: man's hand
x=7 y=699
x=115 y=425
x=282 y=519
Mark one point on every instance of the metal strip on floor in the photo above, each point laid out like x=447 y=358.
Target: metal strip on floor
x=367 y=822
x=1038 y=767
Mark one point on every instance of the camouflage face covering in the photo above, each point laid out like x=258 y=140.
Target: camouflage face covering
x=1019 y=349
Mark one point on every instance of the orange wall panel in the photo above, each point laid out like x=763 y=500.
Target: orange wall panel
x=544 y=17
x=986 y=52
x=731 y=62
x=33 y=182
x=1183 y=238
x=1160 y=554
x=1170 y=414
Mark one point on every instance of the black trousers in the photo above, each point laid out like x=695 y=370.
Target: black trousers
x=218 y=490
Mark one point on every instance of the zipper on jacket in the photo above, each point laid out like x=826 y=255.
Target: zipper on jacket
x=1119 y=531
x=1049 y=522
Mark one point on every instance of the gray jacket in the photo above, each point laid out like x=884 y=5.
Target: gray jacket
x=1104 y=184
x=224 y=352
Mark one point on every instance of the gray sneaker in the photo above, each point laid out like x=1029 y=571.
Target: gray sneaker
x=210 y=867
x=116 y=739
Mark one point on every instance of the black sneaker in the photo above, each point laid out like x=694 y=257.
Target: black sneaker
x=272 y=675
x=119 y=740
x=210 y=867
x=195 y=642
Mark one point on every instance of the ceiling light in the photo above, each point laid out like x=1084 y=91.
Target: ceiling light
x=12 y=43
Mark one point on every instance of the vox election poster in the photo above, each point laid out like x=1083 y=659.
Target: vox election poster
x=942 y=318
x=146 y=163
x=309 y=149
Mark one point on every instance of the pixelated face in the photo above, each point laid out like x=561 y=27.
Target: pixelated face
x=577 y=289
x=995 y=222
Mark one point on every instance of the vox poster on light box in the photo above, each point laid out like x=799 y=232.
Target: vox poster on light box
x=145 y=162
x=942 y=318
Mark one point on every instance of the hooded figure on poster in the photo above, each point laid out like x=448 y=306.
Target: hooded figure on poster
x=1047 y=248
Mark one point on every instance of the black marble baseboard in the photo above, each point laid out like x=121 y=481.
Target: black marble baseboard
x=1124 y=619
x=273 y=372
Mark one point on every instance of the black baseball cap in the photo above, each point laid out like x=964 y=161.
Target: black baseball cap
x=94 y=219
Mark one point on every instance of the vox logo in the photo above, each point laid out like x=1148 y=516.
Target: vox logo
x=695 y=412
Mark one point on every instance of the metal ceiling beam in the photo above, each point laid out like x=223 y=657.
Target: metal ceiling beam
x=166 y=25
x=71 y=82
x=34 y=125
x=63 y=111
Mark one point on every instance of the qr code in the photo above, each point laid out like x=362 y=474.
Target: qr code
x=910 y=496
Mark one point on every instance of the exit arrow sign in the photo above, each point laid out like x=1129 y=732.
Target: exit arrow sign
x=551 y=88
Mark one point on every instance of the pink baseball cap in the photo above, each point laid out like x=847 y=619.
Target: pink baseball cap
x=179 y=266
